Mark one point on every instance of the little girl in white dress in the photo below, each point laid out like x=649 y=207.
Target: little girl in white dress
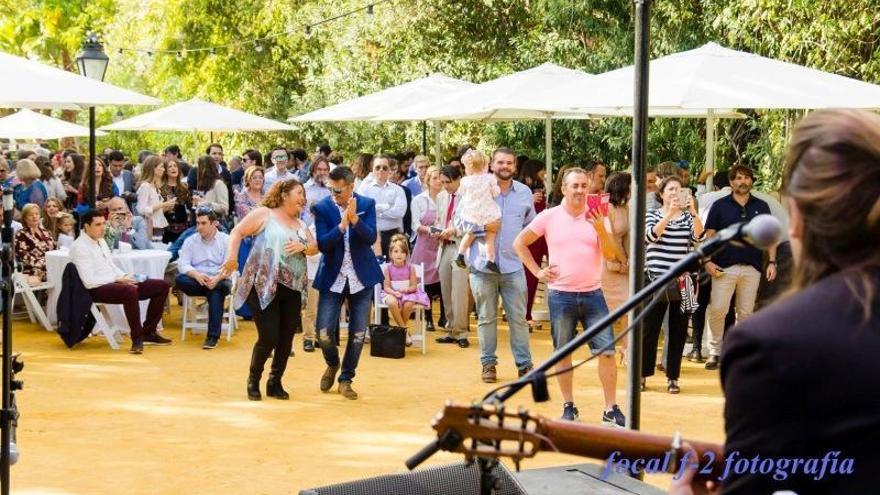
x=478 y=210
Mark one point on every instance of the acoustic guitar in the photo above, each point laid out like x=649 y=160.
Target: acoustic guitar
x=482 y=431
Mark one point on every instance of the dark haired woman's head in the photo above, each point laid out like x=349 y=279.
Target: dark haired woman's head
x=832 y=181
x=618 y=187
x=532 y=173
x=207 y=173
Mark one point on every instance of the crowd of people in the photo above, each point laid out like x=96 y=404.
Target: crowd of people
x=309 y=235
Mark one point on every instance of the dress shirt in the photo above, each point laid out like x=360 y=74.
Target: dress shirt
x=517 y=210
x=93 y=262
x=347 y=272
x=271 y=176
x=119 y=181
x=203 y=256
x=420 y=205
x=314 y=192
x=414 y=184
x=390 y=204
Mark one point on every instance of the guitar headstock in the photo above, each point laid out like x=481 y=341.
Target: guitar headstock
x=491 y=431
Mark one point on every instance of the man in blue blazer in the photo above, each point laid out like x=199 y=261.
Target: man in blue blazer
x=345 y=227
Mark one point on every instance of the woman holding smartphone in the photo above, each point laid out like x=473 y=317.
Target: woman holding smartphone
x=670 y=232
x=426 y=228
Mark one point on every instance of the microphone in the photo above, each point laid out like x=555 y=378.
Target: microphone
x=762 y=232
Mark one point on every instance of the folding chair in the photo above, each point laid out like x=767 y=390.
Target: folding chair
x=35 y=310
x=421 y=324
x=194 y=320
x=103 y=325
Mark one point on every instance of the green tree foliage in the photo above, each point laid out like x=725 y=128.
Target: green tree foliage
x=475 y=40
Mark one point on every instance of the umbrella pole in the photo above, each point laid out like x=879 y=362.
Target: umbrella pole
x=638 y=204
x=710 y=148
x=437 y=156
x=548 y=148
x=424 y=137
x=91 y=175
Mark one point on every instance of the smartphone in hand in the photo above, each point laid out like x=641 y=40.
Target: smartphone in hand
x=599 y=202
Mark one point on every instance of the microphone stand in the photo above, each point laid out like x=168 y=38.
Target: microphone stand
x=538 y=376
x=8 y=413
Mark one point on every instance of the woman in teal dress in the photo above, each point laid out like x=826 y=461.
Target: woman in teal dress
x=274 y=281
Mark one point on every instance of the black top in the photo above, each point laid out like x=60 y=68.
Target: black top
x=802 y=378
x=726 y=212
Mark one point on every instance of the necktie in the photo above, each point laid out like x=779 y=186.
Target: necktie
x=449 y=210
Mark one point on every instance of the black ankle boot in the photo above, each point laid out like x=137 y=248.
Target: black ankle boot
x=253 y=388
x=274 y=388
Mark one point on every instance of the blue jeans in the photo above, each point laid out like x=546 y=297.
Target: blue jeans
x=512 y=286
x=329 y=308
x=215 y=296
x=567 y=309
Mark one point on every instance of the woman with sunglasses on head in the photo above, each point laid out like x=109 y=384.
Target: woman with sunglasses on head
x=800 y=376
x=274 y=281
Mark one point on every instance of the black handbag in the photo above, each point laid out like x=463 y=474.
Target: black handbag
x=387 y=341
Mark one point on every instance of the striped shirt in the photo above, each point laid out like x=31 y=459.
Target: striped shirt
x=669 y=248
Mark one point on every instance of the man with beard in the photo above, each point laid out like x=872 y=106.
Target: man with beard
x=736 y=268
x=517 y=210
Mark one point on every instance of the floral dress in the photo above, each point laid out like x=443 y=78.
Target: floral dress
x=478 y=193
x=267 y=265
x=31 y=246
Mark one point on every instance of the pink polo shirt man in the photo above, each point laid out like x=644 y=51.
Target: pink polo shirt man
x=573 y=247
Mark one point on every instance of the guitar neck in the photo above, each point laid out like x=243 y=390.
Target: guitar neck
x=600 y=442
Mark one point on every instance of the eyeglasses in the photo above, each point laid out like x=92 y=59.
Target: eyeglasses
x=381 y=167
x=280 y=158
x=743 y=213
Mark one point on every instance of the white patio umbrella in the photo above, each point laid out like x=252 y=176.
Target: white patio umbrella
x=714 y=77
x=29 y=84
x=367 y=107
x=197 y=115
x=517 y=96
x=387 y=100
x=27 y=124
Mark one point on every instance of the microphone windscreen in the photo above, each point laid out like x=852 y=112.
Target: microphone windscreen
x=764 y=231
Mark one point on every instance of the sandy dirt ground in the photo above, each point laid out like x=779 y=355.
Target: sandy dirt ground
x=176 y=420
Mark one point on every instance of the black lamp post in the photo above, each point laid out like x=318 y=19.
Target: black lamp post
x=92 y=63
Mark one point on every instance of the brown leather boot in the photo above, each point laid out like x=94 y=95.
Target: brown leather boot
x=328 y=378
x=346 y=390
x=489 y=373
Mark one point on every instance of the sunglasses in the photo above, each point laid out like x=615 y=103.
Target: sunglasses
x=380 y=167
x=337 y=191
x=280 y=158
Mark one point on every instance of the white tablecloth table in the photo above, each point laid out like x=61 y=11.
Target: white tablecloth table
x=149 y=262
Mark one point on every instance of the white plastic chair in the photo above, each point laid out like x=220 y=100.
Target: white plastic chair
x=35 y=310
x=421 y=325
x=103 y=325
x=197 y=322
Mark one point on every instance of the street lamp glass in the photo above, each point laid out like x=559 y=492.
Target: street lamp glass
x=91 y=59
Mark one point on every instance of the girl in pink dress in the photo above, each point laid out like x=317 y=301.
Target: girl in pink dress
x=479 y=211
x=401 y=291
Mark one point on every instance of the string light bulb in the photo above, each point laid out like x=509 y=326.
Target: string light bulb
x=258 y=47
x=308 y=32
x=370 y=9
x=179 y=56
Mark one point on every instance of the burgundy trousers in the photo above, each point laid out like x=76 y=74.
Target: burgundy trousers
x=129 y=296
